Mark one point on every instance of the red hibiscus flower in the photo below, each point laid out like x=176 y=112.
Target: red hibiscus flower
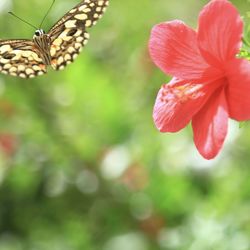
x=209 y=83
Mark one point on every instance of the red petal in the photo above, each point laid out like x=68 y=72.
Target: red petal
x=220 y=32
x=177 y=102
x=210 y=125
x=173 y=48
x=238 y=92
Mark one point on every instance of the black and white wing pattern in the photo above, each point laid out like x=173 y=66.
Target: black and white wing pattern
x=20 y=58
x=64 y=41
x=69 y=34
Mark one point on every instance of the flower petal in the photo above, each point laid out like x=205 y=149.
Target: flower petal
x=238 y=92
x=177 y=102
x=210 y=125
x=173 y=48
x=220 y=32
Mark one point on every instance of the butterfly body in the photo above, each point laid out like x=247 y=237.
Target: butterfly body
x=42 y=44
x=58 y=47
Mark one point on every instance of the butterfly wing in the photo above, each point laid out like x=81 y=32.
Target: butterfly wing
x=69 y=34
x=20 y=58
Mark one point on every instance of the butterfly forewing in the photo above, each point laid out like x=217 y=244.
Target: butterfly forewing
x=20 y=58
x=69 y=34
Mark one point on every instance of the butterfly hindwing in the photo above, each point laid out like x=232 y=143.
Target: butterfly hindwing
x=20 y=58
x=69 y=34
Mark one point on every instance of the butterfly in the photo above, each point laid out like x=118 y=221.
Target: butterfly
x=58 y=48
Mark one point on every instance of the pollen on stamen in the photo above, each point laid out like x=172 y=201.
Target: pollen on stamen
x=187 y=92
x=166 y=94
x=163 y=100
x=178 y=94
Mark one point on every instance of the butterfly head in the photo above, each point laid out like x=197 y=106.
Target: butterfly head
x=39 y=32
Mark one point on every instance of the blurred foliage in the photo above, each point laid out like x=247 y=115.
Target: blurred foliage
x=82 y=165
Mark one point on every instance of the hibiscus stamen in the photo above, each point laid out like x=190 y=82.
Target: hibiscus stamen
x=179 y=94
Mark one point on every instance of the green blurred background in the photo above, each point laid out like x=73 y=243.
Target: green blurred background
x=82 y=165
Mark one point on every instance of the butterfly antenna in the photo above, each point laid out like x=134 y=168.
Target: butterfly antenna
x=12 y=14
x=47 y=13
